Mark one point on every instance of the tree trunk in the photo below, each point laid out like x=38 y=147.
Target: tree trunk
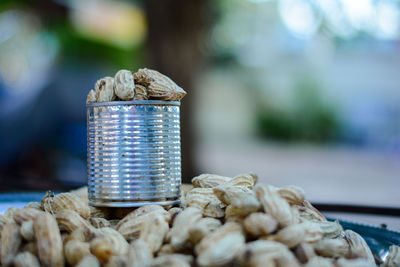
x=175 y=29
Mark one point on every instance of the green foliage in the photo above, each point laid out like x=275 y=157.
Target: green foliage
x=310 y=119
x=75 y=46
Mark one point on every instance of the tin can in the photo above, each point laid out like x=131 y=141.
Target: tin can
x=133 y=153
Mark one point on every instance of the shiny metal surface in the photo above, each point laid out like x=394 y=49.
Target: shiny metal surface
x=133 y=153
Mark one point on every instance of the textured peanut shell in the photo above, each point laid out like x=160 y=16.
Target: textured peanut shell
x=89 y=261
x=139 y=254
x=308 y=212
x=119 y=244
x=27 y=230
x=91 y=97
x=26 y=214
x=266 y=253
x=257 y=253
x=33 y=205
x=153 y=231
x=247 y=180
x=200 y=197
x=295 y=234
x=174 y=212
x=242 y=204
x=11 y=211
x=70 y=221
x=222 y=251
x=304 y=252
x=166 y=249
x=274 y=205
x=100 y=212
x=48 y=240
x=4 y=220
x=172 y=260
x=393 y=258
x=65 y=201
x=100 y=222
x=338 y=247
x=213 y=209
x=205 y=200
x=139 y=212
x=286 y=258
x=30 y=247
x=104 y=89
x=320 y=262
x=10 y=242
x=82 y=193
x=158 y=85
x=209 y=180
x=117 y=261
x=131 y=225
x=26 y=259
x=75 y=251
x=227 y=193
x=330 y=229
x=179 y=233
x=124 y=85
x=140 y=92
x=221 y=246
x=80 y=234
x=202 y=228
x=358 y=246
x=292 y=194
x=102 y=249
x=342 y=262
x=259 y=224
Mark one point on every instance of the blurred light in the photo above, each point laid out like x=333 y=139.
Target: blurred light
x=259 y=1
x=9 y=19
x=26 y=55
x=360 y=13
x=299 y=17
x=336 y=20
x=118 y=23
x=387 y=21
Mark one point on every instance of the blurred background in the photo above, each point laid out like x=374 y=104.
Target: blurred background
x=303 y=92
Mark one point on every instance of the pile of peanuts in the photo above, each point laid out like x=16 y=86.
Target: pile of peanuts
x=142 y=85
x=222 y=221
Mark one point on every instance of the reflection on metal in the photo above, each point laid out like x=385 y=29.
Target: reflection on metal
x=134 y=153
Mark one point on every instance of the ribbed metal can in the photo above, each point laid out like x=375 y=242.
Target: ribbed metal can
x=133 y=153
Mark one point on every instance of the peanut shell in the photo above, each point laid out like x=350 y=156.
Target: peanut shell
x=91 y=97
x=153 y=231
x=139 y=254
x=274 y=205
x=10 y=242
x=209 y=180
x=259 y=224
x=117 y=261
x=75 y=251
x=179 y=233
x=104 y=89
x=89 y=261
x=158 y=85
x=292 y=194
x=65 y=201
x=393 y=258
x=26 y=259
x=221 y=246
x=124 y=85
x=48 y=240
x=202 y=228
x=27 y=230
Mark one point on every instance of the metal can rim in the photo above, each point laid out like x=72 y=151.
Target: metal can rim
x=135 y=102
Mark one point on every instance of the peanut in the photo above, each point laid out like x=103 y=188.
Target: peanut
x=48 y=240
